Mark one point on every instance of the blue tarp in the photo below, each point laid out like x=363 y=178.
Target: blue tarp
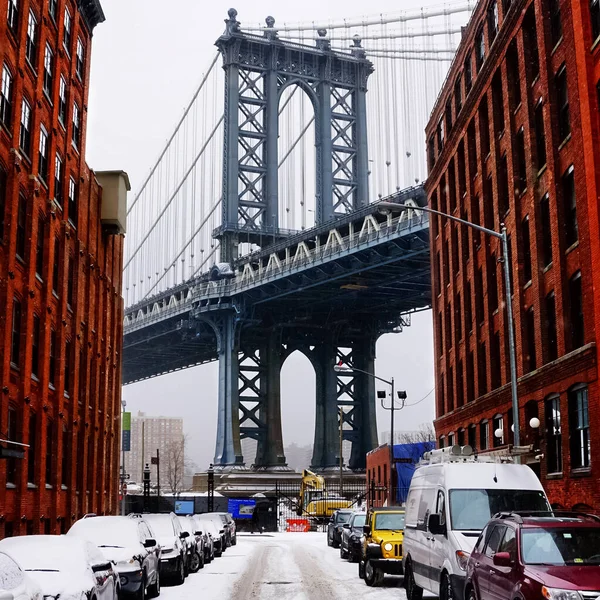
x=406 y=456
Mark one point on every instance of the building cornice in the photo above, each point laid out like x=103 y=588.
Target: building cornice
x=92 y=13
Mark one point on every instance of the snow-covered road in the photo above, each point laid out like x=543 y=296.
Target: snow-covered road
x=281 y=566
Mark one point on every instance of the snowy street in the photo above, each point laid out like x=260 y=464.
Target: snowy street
x=281 y=566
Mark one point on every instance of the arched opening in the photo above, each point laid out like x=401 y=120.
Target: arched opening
x=297 y=160
x=298 y=408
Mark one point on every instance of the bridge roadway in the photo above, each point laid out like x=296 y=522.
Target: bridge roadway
x=329 y=292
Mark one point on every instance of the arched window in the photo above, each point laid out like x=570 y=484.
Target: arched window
x=484 y=435
x=553 y=434
x=498 y=427
x=579 y=427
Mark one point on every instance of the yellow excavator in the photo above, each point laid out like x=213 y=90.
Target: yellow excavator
x=315 y=502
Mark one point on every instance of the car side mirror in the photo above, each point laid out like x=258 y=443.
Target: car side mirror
x=184 y=534
x=502 y=559
x=435 y=525
x=105 y=566
x=149 y=543
x=198 y=533
x=346 y=526
x=367 y=529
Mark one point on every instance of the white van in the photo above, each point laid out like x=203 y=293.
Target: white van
x=452 y=496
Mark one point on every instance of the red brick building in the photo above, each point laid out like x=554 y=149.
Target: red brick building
x=514 y=139
x=61 y=310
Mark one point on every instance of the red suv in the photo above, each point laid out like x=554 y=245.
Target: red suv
x=536 y=556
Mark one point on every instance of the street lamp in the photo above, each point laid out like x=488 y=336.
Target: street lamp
x=503 y=237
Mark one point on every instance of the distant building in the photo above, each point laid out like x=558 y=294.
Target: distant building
x=149 y=434
x=61 y=262
x=514 y=139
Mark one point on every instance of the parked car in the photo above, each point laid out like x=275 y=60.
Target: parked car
x=216 y=532
x=14 y=583
x=451 y=498
x=201 y=529
x=352 y=533
x=131 y=546
x=194 y=544
x=220 y=530
x=171 y=538
x=334 y=527
x=229 y=527
x=545 y=555
x=382 y=544
x=64 y=567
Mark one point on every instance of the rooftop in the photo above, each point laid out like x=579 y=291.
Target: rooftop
x=92 y=13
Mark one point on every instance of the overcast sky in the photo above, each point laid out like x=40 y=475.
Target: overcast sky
x=148 y=58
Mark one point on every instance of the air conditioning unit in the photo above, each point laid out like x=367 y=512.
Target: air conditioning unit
x=113 y=214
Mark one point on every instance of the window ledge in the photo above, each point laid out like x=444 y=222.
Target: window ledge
x=64 y=488
x=527 y=285
x=14 y=366
x=55 y=294
x=51 y=387
x=542 y=170
x=547 y=268
x=517 y=108
x=564 y=142
x=551 y=476
x=560 y=39
x=48 y=98
x=32 y=486
x=66 y=394
x=34 y=377
x=39 y=278
x=49 y=487
x=581 y=472
x=535 y=80
x=20 y=259
x=595 y=44
x=11 y=486
x=572 y=247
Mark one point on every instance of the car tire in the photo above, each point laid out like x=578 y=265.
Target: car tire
x=472 y=594
x=234 y=541
x=361 y=569
x=329 y=540
x=154 y=589
x=335 y=543
x=343 y=553
x=413 y=591
x=446 y=591
x=195 y=563
x=180 y=575
x=373 y=575
x=141 y=594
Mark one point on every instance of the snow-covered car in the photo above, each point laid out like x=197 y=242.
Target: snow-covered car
x=65 y=568
x=216 y=530
x=229 y=527
x=14 y=584
x=194 y=544
x=209 y=546
x=131 y=546
x=171 y=538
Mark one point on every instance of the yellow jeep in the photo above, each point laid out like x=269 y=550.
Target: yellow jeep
x=382 y=544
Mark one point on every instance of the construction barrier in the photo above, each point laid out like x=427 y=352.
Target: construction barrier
x=298 y=525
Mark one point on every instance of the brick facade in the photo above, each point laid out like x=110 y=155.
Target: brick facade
x=529 y=116
x=60 y=279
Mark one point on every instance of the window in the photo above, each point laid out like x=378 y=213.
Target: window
x=513 y=73
x=62 y=101
x=498 y=426
x=458 y=318
x=55 y=267
x=468 y=70
x=13 y=435
x=460 y=436
x=21 y=227
x=440 y=135
x=472 y=150
x=76 y=125
x=3 y=193
x=52 y=357
x=551 y=341
x=49 y=451
x=468 y=307
x=70 y=282
x=72 y=201
x=595 y=14
x=576 y=305
x=553 y=435
x=441 y=441
x=458 y=95
x=35 y=347
x=32 y=450
x=67 y=33
x=540 y=136
x=452 y=186
x=484 y=435
x=530 y=337
x=482 y=369
x=448 y=112
x=443 y=196
x=431 y=152
x=6 y=97
x=80 y=55
x=439 y=335
x=66 y=457
x=13 y=16
x=546 y=231
x=579 y=425
x=498 y=102
x=472 y=436
x=495 y=361
x=43 y=154
x=48 y=70
x=570 y=208
x=492 y=21
x=555 y=23
x=521 y=165
x=494 y=539
x=479 y=49
x=39 y=248
x=67 y=366
x=53 y=9
x=562 y=102
x=448 y=324
x=15 y=347
x=31 y=43
x=58 y=176
x=25 y=134
x=492 y=276
x=484 y=128
x=526 y=250
x=479 y=295
x=532 y=57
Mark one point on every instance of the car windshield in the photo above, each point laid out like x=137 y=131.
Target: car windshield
x=107 y=532
x=343 y=517
x=161 y=525
x=470 y=510
x=568 y=546
x=389 y=521
x=359 y=521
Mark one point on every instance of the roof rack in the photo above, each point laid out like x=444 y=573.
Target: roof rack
x=518 y=516
x=386 y=508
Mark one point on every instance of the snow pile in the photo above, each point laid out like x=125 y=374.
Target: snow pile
x=11 y=576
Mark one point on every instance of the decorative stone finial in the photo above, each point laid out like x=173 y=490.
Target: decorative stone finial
x=232 y=25
x=270 y=31
x=357 y=50
x=323 y=42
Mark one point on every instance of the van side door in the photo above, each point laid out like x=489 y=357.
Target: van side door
x=419 y=505
x=438 y=544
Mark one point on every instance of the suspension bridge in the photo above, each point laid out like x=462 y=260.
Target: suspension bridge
x=275 y=220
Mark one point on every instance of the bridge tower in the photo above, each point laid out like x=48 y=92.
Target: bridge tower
x=258 y=68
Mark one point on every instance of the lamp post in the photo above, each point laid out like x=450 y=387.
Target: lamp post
x=503 y=237
x=123 y=474
x=211 y=489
